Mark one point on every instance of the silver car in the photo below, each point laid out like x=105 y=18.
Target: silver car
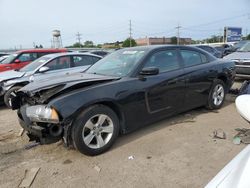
x=242 y=60
x=60 y=64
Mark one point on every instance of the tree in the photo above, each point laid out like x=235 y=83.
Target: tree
x=88 y=44
x=173 y=40
x=126 y=43
x=248 y=37
x=77 y=45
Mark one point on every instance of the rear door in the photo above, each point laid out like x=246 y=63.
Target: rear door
x=199 y=75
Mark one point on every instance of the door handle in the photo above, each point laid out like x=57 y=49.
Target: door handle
x=7 y=67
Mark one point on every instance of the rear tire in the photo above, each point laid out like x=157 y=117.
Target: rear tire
x=95 y=130
x=10 y=93
x=217 y=95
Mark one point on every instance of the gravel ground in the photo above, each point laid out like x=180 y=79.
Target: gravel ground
x=177 y=152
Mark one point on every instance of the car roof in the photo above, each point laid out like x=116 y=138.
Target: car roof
x=70 y=53
x=43 y=50
x=155 y=47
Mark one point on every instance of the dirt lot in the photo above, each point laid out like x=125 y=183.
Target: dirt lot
x=177 y=152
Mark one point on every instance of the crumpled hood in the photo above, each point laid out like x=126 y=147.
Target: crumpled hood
x=54 y=85
x=12 y=74
x=238 y=55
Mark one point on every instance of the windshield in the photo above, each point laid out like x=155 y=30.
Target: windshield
x=119 y=63
x=9 y=59
x=245 y=48
x=240 y=44
x=34 y=64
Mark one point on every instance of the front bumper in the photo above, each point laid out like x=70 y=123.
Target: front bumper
x=40 y=132
x=242 y=71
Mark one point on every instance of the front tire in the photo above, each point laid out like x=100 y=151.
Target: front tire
x=10 y=93
x=217 y=95
x=95 y=130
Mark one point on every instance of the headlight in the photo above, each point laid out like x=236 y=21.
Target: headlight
x=41 y=113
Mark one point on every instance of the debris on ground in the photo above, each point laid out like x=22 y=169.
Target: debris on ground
x=219 y=133
x=149 y=157
x=68 y=161
x=21 y=132
x=31 y=145
x=29 y=176
x=237 y=140
x=243 y=135
x=97 y=168
x=131 y=157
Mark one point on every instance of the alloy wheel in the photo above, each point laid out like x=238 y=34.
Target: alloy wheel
x=218 y=94
x=98 y=131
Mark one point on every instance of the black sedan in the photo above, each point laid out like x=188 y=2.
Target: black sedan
x=124 y=91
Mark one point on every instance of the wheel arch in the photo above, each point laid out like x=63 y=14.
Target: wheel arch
x=21 y=84
x=113 y=106
x=224 y=78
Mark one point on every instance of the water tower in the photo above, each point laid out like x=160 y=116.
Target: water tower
x=57 y=40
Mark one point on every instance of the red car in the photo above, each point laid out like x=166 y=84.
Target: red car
x=21 y=58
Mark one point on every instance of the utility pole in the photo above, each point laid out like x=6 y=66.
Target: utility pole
x=178 y=34
x=78 y=37
x=130 y=33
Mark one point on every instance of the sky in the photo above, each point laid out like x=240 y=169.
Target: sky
x=24 y=22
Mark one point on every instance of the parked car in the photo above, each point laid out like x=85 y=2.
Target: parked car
x=242 y=60
x=100 y=52
x=211 y=50
x=123 y=91
x=59 y=64
x=240 y=44
x=3 y=57
x=3 y=54
x=224 y=51
x=21 y=58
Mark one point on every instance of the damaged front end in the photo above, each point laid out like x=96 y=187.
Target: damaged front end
x=42 y=122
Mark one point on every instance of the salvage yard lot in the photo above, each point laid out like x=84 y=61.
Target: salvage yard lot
x=176 y=152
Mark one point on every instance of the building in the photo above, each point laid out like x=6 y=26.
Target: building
x=160 y=40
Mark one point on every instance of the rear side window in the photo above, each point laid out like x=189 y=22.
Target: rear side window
x=166 y=60
x=59 y=63
x=27 y=57
x=83 y=60
x=192 y=58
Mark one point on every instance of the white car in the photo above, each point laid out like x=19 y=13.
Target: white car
x=236 y=174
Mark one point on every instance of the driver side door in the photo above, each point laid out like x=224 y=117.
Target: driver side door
x=165 y=91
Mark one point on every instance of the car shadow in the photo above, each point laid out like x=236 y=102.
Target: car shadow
x=186 y=117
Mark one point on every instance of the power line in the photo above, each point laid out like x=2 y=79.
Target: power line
x=178 y=33
x=78 y=37
x=130 y=33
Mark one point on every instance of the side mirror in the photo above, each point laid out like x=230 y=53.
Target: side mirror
x=43 y=69
x=17 y=61
x=149 y=71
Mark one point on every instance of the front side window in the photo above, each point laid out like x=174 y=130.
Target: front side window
x=59 y=63
x=166 y=60
x=27 y=57
x=192 y=58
